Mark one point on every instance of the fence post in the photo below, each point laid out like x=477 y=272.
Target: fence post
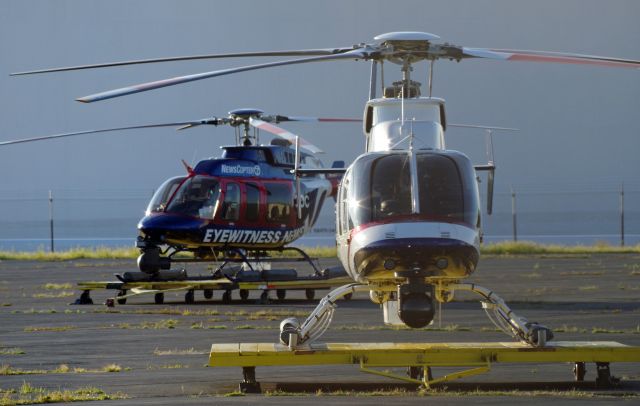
x=622 y=215
x=51 y=220
x=513 y=214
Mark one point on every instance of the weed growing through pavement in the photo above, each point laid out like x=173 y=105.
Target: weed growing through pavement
x=29 y=394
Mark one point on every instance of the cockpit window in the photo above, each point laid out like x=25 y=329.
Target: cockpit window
x=197 y=197
x=390 y=186
x=445 y=188
x=441 y=192
x=160 y=198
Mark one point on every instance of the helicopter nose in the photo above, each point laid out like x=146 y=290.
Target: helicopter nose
x=159 y=224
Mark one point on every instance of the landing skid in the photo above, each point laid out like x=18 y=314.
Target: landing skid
x=253 y=275
x=296 y=335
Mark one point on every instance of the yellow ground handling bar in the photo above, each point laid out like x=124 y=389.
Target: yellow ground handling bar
x=422 y=356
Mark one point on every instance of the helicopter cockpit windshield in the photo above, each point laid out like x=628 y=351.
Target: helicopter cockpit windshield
x=383 y=186
x=197 y=197
x=160 y=198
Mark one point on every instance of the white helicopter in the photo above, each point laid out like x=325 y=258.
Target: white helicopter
x=408 y=210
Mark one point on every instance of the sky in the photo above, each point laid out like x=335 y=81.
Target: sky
x=579 y=126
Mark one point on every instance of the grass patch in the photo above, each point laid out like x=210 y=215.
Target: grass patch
x=11 y=351
x=167 y=366
x=37 y=311
x=175 y=351
x=532 y=275
x=501 y=248
x=52 y=295
x=41 y=329
x=57 y=286
x=569 y=329
x=151 y=325
x=234 y=394
x=600 y=330
x=61 y=369
x=588 y=288
x=529 y=248
x=582 y=273
x=166 y=311
x=74 y=253
x=29 y=394
x=129 y=253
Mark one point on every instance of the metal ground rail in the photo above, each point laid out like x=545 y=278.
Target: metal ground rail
x=419 y=358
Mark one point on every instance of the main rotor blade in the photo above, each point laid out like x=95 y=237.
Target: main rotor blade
x=551 y=57
x=482 y=127
x=71 y=134
x=281 y=132
x=302 y=52
x=354 y=54
x=319 y=119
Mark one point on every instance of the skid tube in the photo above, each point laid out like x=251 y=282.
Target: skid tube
x=243 y=280
x=296 y=335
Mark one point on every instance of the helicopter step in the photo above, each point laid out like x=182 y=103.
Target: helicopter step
x=419 y=358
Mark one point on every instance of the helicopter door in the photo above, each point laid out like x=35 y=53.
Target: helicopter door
x=252 y=203
x=230 y=210
x=279 y=202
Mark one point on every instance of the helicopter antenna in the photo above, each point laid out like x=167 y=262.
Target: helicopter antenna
x=382 y=76
x=296 y=168
x=372 y=80
x=431 y=76
x=489 y=137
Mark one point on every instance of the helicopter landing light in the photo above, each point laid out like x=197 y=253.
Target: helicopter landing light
x=442 y=263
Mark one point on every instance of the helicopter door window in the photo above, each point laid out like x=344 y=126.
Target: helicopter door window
x=231 y=204
x=344 y=221
x=278 y=202
x=252 y=212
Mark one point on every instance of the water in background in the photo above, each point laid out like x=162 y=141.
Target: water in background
x=108 y=218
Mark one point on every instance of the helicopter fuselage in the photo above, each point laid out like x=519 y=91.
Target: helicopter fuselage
x=246 y=199
x=411 y=211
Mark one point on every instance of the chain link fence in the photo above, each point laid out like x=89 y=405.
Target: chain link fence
x=109 y=217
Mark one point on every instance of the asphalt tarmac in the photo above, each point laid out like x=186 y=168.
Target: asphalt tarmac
x=161 y=351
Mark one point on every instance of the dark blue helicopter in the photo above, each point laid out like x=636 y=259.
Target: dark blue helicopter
x=249 y=199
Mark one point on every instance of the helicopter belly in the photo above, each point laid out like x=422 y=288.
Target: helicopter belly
x=443 y=250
